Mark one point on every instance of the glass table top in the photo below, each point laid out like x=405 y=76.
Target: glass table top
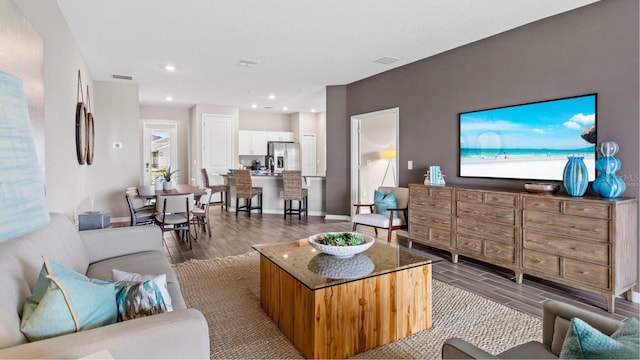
x=317 y=270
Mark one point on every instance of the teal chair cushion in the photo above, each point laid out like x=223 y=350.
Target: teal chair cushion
x=383 y=202
x=585 y=342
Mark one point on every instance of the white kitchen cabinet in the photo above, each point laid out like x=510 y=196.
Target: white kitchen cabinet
x=252 y=142
x=279 y=136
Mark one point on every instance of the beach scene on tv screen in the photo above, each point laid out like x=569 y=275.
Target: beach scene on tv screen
x=530 y=141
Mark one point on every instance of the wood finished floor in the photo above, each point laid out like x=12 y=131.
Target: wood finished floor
x=233 y=235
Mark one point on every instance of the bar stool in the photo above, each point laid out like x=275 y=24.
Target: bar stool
x=223 y=189
x=293 y=190
x=245 y=190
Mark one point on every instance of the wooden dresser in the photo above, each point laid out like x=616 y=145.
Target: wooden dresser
x=586 y=243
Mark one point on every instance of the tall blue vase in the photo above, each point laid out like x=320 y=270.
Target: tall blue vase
x=575 y=176
x=608 y=184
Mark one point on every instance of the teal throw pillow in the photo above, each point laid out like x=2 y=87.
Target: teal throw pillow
x=138 y=299
x=585 y=342
x=64 y=301
x=383 y=202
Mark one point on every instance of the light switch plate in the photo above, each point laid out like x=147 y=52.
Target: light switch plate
x=410 y=164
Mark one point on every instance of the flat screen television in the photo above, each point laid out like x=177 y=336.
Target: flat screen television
x=528 y=141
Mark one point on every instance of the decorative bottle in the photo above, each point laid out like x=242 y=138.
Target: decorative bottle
x=608 y=184
x=575 y=176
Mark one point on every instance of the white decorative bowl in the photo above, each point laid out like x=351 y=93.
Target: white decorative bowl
x=333 y=267
x=341 y=251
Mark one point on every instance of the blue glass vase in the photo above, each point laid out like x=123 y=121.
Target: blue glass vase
x=575 y=176
x=608 y=184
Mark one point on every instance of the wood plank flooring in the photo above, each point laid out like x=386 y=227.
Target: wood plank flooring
x=233 y=235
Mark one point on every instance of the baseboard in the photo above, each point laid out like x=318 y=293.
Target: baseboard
x=337 y=217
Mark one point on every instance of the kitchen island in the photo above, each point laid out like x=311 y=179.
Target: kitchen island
x=273 y=193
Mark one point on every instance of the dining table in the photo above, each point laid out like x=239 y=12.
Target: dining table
x=150 y=192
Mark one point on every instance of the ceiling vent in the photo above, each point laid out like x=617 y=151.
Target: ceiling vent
x=248 y=62
x=268 y=107
x=122 y=77
x=386 y=60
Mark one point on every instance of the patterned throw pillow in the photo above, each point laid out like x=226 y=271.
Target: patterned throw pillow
x=138 y=299
x=64 y=301
x=585 y=342
x=384 y=201
x=160 y=280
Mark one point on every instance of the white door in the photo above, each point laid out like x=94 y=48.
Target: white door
x=309 y=157
x=217 y=144
x=160 y=150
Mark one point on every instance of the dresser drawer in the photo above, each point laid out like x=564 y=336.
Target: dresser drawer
x=588 y=209
x=542 y=262
x=500 y=252
x=425 y=234
x=469 y=244
x=547 y=204
x=591 y=251
x=498 y=214
x=501 y=199
x=432 y=220
x=497 y=232
x=593 y=275
x=425 y=192
x=570 y=226
x=441 y=206
x=469 y=196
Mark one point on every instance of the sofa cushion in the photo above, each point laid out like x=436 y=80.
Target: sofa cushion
x=376 y=220
x=159 y=280
x=20 y=263
x=65 y=301
x=148 y=262
x=585 y=342
x=138 y=299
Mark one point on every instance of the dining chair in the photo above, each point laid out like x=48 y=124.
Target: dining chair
x=201 y=213
x=293 y=191
x=174 y=213
x=217 y=187
x=140 y=213
x=245 y=190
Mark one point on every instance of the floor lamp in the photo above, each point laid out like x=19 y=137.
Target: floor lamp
x=390 y=155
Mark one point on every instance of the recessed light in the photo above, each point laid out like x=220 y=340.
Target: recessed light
x=170 y=68
x=169 y=98
x=313 y=110
x=271 y=96
x=254 y=106
x=285 y=108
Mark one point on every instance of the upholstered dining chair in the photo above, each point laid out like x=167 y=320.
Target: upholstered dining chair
x=293 y=191
x=218 y=187
x=174 y=213
x=201 y=213
x=140 y=213
x=245 y=190
x=389 y=210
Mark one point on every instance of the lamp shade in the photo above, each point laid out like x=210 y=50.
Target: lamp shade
x=23 y=207
x=388 y=154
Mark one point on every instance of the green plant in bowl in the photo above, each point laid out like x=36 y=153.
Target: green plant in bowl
x=341 y=239
x=167 y=174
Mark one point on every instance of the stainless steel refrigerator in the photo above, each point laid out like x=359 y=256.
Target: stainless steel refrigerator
x=283 y=156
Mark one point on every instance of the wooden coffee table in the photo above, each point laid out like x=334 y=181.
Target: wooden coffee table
x=336 y=308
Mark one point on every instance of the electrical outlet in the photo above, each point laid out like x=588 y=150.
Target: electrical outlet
x=368 y=162
x=281 y=193
x=117 y=145
x=364 y=193
x=410 y=165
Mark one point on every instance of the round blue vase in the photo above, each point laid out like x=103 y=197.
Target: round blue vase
x=609 y=186
x=575 y=176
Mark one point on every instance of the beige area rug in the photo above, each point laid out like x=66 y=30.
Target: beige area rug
x=227 y=292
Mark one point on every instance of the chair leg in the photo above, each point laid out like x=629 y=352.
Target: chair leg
x=260 y=199
x=249 y=207
x=354 y=227
x=299 y=208
x=285 y=210
x=389 y=235
x=306 y=206
x=237 y=206
x=375 y=230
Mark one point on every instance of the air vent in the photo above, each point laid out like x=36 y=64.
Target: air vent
x=122 y=77
x=386 y=60
x=268 y=107
x=248 y=62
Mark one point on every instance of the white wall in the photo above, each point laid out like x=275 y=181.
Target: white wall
x=117 y=111
x=68 y=184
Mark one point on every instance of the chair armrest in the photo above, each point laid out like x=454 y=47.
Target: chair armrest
x=112 y=242
x=455 y=348
x=177 y=334
x=358 y=205
x=557 y=315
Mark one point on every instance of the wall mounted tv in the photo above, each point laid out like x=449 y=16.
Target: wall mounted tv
x=528 y=141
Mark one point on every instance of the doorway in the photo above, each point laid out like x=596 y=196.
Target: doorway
x=217 y=143
x=374 y=153
x=309 y=157
x=160 y=149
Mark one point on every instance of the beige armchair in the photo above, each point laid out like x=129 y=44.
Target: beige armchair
x=555 y=324
x=397 y=218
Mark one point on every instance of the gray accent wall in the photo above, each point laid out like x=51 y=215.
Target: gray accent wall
x=593 y=49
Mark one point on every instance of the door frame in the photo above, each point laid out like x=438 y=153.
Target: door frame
x=147 y=126
x=356 y=149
